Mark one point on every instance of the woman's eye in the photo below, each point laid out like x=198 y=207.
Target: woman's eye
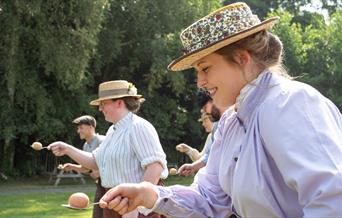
x=205 y=70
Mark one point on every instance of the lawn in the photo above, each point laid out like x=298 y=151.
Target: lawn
x=36 y=199
x=40 y=205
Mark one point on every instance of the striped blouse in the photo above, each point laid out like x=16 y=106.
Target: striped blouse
x=130 y=145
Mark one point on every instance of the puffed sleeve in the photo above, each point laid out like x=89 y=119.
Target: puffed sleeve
x=204 y=198
x=302 y=131
x=194 y=201
x=146 y=145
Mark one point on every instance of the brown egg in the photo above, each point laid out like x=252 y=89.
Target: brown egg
x=37 y=146
x=79 y=200
x=173 y=171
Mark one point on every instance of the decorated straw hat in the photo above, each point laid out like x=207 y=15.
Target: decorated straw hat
x=216 y=30
x=115 y=89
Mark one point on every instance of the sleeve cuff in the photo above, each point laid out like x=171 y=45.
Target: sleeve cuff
x=204 y=158
x=147 y=211
x=162 y=161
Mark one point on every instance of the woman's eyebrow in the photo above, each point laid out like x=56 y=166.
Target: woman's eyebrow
x=199 y=63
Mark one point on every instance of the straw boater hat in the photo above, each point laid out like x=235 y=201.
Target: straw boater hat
x=116 y=89
x=216 y=30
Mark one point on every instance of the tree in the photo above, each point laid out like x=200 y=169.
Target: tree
x=44 y=66
x=138 y=40
x=295 y=7
x=54 y=53
x=44 y=51
x=313 y=51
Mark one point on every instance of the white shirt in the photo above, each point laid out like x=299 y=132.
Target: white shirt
x=130 y=145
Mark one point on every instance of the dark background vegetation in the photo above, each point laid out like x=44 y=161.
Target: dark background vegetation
x=54 y=53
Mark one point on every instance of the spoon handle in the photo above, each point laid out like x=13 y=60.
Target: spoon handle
x=96 y=203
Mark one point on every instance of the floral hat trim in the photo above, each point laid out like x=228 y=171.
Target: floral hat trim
x=219 y=25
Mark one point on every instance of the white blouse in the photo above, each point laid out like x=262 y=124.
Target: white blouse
x=130 y=145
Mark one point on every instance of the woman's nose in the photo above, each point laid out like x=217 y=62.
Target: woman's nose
x=201 y=81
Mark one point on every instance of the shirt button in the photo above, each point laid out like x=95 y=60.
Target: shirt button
x=165 y=200
x=236 y=159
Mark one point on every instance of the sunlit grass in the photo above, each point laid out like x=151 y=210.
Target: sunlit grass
x=180 y=180
x=40 y=205
x=46 y=204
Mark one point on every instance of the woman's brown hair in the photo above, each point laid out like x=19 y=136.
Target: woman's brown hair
x=265 y=48
x=133 y=104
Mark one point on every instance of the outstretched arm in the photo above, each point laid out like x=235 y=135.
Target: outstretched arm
x=74 y=167
x=84 y=158
x=198 y=200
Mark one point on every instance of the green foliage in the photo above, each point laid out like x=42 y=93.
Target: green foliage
x=325 y=58
x=54 y=53
x=45 y=49
x=313 y=51
x=295 y=7
x=138 y=40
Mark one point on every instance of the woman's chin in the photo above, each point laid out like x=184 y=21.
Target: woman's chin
x=219 y=102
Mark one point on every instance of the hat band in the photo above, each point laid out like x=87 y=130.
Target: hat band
x=106 y=93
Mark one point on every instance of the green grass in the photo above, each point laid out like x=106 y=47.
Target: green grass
x=180 y=180
x=40 y=205
x=27 y=198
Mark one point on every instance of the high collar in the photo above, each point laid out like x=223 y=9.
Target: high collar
x=254 y=93
x=124 y=122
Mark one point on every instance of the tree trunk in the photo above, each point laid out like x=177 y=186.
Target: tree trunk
x=11 y=71
x=8 y=156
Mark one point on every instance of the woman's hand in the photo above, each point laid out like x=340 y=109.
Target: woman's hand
x=183 y=148
x=59 y=148
x=95 y=174
x=70 y=167
x=127 y=197
x=187 y=170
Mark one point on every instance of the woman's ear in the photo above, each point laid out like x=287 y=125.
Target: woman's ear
x=242 y=57
x=121 y=103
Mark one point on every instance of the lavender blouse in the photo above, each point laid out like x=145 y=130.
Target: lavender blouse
x=279 y=155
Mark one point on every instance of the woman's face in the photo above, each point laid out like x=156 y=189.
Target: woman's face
x=223 y=79
x=108 y=108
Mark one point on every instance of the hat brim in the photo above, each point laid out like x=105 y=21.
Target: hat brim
x=185 y=62
x=97 y=101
